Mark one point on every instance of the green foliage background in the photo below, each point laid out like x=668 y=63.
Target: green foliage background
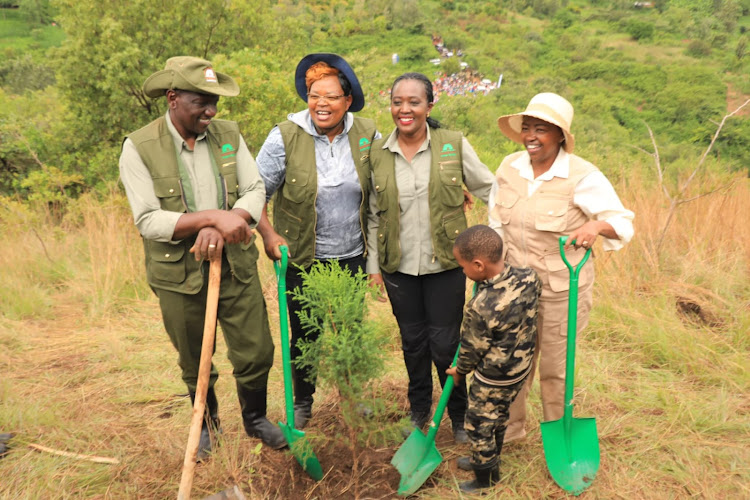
x=71 y=75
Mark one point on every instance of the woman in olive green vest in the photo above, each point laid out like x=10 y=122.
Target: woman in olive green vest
x=416 y=213
x=542 y=193
x=314 y=164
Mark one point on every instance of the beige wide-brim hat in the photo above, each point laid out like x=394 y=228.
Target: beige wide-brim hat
x=192 y=74
x=548 y=107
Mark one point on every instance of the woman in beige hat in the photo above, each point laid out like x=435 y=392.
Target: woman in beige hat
x=542 y=193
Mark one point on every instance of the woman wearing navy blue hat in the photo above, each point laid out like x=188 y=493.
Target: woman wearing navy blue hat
x=315 y=166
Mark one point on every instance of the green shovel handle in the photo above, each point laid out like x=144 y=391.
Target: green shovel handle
x=445 y=396
x=577 y=270
x=280 y=266
x=572 y=329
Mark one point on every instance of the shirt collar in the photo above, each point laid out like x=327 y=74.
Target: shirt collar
x=560 y=167
x=497 y=278
x=176 y=137
x=392 y=142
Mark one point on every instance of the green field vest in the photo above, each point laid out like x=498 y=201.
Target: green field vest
x=294 y=214
x=446 y=199
x=173 y=267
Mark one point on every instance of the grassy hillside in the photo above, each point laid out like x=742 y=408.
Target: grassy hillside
x=87 y=369
x=663 y=367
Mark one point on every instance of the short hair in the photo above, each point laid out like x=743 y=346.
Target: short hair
x=479 y=241
x=320 y=70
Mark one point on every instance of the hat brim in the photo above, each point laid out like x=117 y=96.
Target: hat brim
x=168 y=79
x=335 y=61
x=510 y=126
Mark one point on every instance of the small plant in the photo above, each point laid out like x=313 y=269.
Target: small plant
x=349 y=351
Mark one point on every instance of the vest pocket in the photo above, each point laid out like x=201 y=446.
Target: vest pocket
x=166 y=261
x=451 y=177
x=383 y=242
x=295 y=186
x=242 y=259
x=169 y=192
x=288 y=226
x=551 y=214
x=558 y=275
x=505 y=200
x=453 y=224
x=380 y=182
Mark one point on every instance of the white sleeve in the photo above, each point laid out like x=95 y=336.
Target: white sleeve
x=493 y=222
x=596 y=197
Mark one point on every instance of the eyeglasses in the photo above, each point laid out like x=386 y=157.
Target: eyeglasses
x=330 y=98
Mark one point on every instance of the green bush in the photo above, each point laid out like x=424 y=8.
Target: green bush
x=699 y=48
x=349 y=351
x=639 y=30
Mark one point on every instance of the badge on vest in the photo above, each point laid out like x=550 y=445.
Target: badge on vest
x=227 y=151
x=447 y=151
x=364 y=148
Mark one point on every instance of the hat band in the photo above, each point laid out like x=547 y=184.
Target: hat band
x=548 y=111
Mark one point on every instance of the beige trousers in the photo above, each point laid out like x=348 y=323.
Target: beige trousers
x=551 y=347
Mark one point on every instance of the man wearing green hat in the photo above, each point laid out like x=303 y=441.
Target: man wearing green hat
x=194 y=188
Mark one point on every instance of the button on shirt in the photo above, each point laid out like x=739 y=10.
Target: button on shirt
x=156 y=224
x=594 y=195
x=412 y=182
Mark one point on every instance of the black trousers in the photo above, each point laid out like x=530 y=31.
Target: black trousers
x=304 y=386
x=429 y=310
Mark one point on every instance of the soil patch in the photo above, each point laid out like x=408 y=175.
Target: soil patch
x=372 y=477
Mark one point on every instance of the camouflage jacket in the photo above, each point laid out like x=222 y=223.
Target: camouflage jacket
x=498 y=333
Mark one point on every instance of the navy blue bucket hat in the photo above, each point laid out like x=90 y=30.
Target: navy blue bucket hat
x=335 y=61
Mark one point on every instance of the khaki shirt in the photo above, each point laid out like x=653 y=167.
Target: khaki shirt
x=412 y=180
x=156 y=224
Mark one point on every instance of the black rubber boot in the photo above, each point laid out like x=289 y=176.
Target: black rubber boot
x=484 y=477
x=4 y=438
x=211 y=425
x=459 y=433
x=304 y=388
x=302 y=411
x=253 y=405
x=417 y=420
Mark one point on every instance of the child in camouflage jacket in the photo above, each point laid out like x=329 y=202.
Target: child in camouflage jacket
x=498 y=338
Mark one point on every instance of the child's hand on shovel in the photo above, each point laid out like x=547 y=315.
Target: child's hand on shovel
x=453 y=372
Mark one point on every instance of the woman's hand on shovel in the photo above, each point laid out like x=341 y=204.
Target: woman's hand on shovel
x=208 y=244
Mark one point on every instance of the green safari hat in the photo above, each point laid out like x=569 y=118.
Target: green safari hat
x=192 y=74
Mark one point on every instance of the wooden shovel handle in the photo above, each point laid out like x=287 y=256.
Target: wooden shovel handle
x=204 y=370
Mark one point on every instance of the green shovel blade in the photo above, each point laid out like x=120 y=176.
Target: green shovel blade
x=416 y=460
x=572 y=455
x=302 y=451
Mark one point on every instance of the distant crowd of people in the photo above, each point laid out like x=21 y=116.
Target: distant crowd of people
x=465 y=82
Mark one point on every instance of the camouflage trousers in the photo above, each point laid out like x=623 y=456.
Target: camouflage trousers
x=487 y=419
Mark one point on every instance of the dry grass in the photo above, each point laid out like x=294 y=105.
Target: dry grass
x=87 y=368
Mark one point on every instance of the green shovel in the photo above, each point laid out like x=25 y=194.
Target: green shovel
x=300 y=447
x=571 y=445
x=418 y=457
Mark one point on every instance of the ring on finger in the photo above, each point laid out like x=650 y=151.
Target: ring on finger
x=212 y=246
x=585 y=243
